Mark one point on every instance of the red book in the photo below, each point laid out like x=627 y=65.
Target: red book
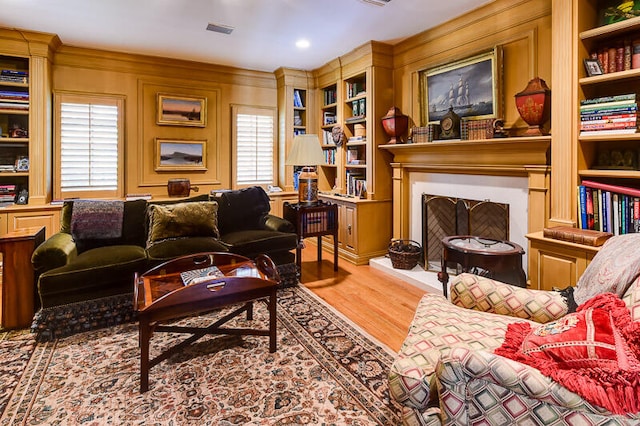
x=589 y=208
x=613 y=188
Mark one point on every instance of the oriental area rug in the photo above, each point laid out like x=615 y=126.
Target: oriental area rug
x=325 y=372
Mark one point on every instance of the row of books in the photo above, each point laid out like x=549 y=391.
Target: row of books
x=317 y=222
x=608 y=208
x=327 y=137
x=476 y=129
x=329 y=156
x=14 y=76
x=330 y=97
x=355 y=88
x=611 y=114
x=617 y=55
x=297 y=99
x=356 y=184
x=359 y=107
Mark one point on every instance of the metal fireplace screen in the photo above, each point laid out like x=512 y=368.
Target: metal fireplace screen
x=446 y=216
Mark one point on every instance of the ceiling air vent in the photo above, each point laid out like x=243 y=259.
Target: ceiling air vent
x=377 y=2
x=218 y=28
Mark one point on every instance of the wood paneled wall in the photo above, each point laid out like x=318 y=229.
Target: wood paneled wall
x=139 y=79
x=522 y=28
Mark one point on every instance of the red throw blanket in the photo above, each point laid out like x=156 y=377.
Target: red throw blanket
x=593 y=352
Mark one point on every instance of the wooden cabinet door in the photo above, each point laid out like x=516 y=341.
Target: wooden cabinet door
x=350 y=228
x=555 y=263
x=19 y=220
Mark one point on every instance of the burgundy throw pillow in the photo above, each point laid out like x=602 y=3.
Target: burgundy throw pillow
x=593 y=352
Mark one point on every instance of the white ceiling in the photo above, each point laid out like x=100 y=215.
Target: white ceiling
x=265 y=31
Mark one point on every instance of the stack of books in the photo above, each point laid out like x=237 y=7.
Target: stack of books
x=608 y=115
x=14 y=100
x=7 y=194
x=14 y=76
x=608 y=208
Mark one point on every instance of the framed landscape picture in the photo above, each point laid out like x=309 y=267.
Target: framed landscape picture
x=176 y=154
x=471 y=86
x=182 y=111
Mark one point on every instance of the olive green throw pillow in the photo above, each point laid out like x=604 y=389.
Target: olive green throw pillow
x=182 y=220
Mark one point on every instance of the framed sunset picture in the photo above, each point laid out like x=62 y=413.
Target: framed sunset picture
x=181 y=110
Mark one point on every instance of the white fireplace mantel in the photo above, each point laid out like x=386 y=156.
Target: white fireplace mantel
x=522 y=156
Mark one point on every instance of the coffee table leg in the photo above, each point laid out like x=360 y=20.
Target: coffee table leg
x=272 y=321
x=144 y=337
x=249 y=311
x=443 y=276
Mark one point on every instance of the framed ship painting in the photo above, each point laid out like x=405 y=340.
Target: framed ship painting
x=471 y=86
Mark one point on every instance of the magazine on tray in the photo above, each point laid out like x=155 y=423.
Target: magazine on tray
x=200 y=275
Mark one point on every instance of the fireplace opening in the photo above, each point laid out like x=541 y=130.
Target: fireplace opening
x=444 y=216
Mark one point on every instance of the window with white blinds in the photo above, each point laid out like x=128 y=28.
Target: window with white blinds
x=254 y=141
x=89 y=138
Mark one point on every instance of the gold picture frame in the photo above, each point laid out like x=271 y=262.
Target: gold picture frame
x=180 y=155
x=473 y=86
x=182 y=110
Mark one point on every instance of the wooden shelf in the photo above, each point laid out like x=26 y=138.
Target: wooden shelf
x=16 y=174
x=14 y=111
x=14 y=140
x=610 y=77
x=611 y=30
x=612 y=138
x=610 y=174
x=357 y=97
x=13 y=84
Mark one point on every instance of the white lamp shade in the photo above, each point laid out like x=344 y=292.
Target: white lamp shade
x=306 y=151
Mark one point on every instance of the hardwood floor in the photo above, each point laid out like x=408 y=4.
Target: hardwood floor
x=380 y=304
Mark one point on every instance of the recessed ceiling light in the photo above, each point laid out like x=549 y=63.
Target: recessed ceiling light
x=302 y=43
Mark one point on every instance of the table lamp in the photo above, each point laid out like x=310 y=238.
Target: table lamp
x=306 y=152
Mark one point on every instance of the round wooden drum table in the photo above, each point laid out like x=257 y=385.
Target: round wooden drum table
x=497 y=259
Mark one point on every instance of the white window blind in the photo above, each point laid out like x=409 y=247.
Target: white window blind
x=254 y=149
x=88 y=147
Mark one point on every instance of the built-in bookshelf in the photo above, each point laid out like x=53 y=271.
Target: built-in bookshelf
x=14 y=128
x=608 y=153
x=329 y=119
x=299 y=112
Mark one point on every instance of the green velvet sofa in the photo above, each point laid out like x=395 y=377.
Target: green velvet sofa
x=85 y=271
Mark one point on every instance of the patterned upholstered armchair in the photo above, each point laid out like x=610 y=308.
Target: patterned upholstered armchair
x=446 y=371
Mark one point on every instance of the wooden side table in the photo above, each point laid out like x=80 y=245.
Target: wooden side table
x=18 y=281
x=501 y=260
x=314 y=220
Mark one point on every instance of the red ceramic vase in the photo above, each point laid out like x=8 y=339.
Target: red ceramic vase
x=395 y=123
x=534 y=106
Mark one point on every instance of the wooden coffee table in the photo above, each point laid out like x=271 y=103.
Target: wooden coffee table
x=160 y=295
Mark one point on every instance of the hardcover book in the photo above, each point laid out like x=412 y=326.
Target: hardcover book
x=576 y=235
